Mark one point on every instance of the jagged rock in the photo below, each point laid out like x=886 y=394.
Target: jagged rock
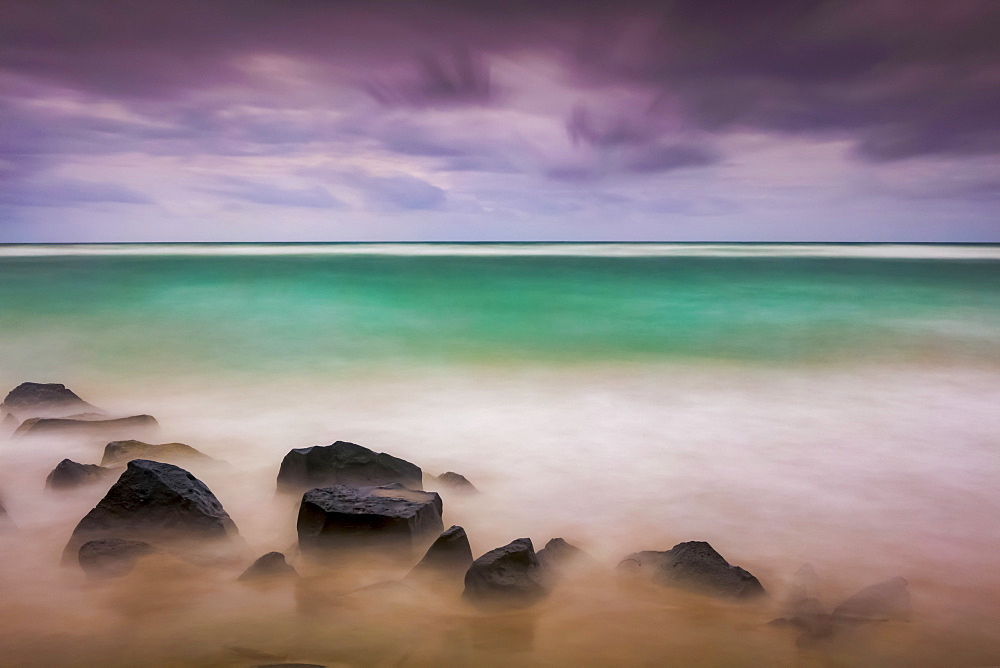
x=347 y=517
x=111 y=557
x=694 y=566
x=887 y=600
x=110 y=427
x=449 y=555
x=68 y=474
x=271 y=565
x=507 y=577
x=122 y=452
x=347 y=464
x=154 y=502
x=455 y=482
x=29 y=400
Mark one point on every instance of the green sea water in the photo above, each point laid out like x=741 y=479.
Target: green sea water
x=181 y=309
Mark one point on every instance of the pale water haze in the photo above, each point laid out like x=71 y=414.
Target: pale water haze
x=826 y=404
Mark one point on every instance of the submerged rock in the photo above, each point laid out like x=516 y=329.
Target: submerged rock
x=271 y=565
x=111 y=557
x=507 y=577
x=153 y=501
x=387 y=516
x=122 y=452
x=31 y=400
x=455 y=482
x=694 y=566
x=85 y=426
x=9 y=424
x=558 y=556
x=69 y=474
x=347 y=464
x=449 y=556
x=887 y=600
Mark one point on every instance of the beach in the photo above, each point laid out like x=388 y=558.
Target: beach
x=790 y=404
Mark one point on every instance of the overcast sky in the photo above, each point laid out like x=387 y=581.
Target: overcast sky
x=299 y=120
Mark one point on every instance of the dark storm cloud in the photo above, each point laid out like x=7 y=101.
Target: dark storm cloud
x=904 y=77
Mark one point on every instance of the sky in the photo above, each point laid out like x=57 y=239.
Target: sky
x=466 y=120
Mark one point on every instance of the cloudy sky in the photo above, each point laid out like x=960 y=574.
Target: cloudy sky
x=298 y=120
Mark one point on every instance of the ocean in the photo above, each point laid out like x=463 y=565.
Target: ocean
x=829 y=404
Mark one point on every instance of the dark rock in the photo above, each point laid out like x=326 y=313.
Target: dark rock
x=68 y=474
x=456 y=483
x=271 y=565
x=887 y=600
x=507 y=577
x=153 y=501
x=697 y=567
x=122 y=452
x=44 y=400
x=111 y=557
x=449 y=555
x=50 y=426
x=347 y=464
x=347 y=517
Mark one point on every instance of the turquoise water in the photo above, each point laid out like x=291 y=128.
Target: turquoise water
x=166 y=309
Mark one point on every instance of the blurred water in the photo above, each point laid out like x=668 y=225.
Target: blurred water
x=833 y=405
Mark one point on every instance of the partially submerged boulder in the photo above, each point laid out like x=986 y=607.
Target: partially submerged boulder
x=694 y=566
x=449 y=556
x=455 y=482
x=507 y=577
x=122 y=452
x=391 y=516
x=269 y=567
x=111 y=557
x=887 y=600
x=344 y=463
x=558 y=556
x=156 y=502
x=86 y=425
x=30 y=400
x=69 y=474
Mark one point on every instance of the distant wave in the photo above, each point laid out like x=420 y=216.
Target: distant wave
x=877 y=251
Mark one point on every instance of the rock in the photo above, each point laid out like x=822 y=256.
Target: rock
x=272 y=565
x=9 y=424
x=456 y=483
x=344 y=464
x=29 y=400
x=694 y=566
x=558 y=554
x=449 y=556
x=122 y=452
x=111 y=557
x=50 y=426
x=153 y=501
x=887 y=600
x=387 y=516
x=6 y=523
x=69 y=474
x=507 y=577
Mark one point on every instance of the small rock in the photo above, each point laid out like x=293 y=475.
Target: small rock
x=111 y=557
x=9 y=424
x=507 y=577
x=455 y=482
x=155 y=501
x=122 y=452
x=344 y=463
x=50 y=426
x=44 y=400
x=271 y=565
x=347 y=517
x=887 y=600
x=69 y=474
x=694 y=566
x=449 y=555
